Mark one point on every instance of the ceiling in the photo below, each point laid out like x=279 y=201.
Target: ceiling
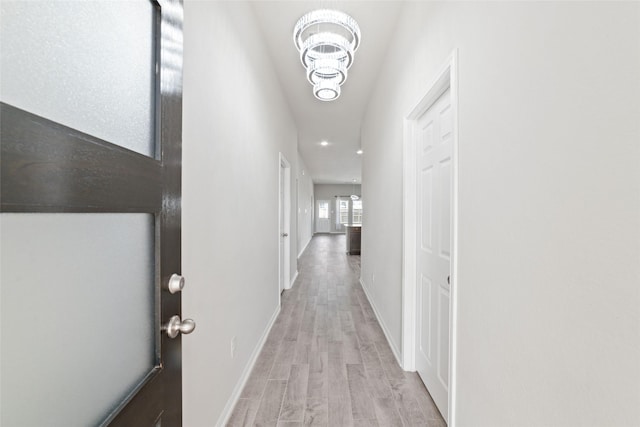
x=337 y=122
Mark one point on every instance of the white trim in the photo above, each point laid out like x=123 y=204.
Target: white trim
x=293 y=280
x=408 y=253
x=286 y=187
x=385 y=330
x=305 y=247
x=231 y=403
x=297 y=217
x=447 y=78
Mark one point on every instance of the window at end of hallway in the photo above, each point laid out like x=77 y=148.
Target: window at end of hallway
x=343 y=208
x=357 y=212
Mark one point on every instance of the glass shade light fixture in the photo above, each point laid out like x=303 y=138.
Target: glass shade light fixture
x=326 y=90
x=354 y=196
x=327 y=40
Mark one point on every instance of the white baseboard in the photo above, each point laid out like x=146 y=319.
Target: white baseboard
x=387 y=335
x=305 y=247
x=293 y=280
x=231 y=403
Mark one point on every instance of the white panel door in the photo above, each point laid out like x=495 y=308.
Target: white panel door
x=434 y=150
x=322 y=217
x=282 y=226
x=284 y=209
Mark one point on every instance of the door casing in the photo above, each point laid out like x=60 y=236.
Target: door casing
x=445 y=79
x=284 y=217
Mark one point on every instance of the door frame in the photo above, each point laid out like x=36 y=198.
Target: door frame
x=284 y=188
x=446 y=78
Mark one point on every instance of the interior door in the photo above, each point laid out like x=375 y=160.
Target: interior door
x=90 y=142
x=434 y=152
x=283 y=233
x=323 y=217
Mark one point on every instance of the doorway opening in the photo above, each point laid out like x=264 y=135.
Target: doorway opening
x=430 y=233
x=284 y=226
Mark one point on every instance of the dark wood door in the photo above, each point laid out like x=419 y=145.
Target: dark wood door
x=51 y=168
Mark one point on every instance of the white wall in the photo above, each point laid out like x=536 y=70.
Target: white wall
x=549 y=203
x=305 y=206
x=329 y=192
x=235 y=124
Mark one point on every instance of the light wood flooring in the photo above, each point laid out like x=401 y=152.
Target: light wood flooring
x=326 y=361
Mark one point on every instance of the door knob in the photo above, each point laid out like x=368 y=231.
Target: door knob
x=176 y=326
x=176 y=283
x=285 y=234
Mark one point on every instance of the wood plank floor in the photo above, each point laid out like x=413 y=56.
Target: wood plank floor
x=326 y=361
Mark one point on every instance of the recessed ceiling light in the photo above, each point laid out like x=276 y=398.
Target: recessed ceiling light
x=359 y=152
x=324 y=143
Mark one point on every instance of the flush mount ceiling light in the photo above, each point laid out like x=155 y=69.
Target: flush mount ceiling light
x=327 y=40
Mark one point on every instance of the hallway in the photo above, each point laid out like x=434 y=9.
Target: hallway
x=166 y=164
x=326 y=360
